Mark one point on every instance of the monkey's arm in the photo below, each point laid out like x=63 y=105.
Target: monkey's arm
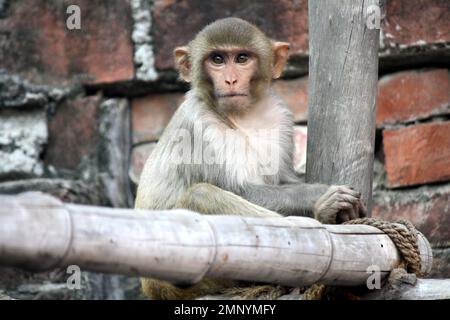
x=320 y=201
x=287 y=199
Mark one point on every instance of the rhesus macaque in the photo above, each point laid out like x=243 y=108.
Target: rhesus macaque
x=230 y=65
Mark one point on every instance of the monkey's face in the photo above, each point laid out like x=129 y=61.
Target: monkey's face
x=230 y=64
x=232 y=72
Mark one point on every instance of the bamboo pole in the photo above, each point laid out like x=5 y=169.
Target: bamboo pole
x=39 y=232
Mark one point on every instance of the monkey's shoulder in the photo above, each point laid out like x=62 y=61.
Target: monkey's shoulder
x=192 y=111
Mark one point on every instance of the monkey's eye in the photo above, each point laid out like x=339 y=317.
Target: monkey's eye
x=217 y=58
x=242 y=58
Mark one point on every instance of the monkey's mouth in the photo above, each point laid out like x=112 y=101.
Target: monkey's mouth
x=229 y=95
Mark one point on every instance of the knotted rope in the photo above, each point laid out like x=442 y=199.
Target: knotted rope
x=402 y=233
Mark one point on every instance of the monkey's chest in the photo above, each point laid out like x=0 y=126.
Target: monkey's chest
x=258 y=157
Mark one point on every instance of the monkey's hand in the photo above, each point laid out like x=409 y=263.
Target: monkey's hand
x=339 y=204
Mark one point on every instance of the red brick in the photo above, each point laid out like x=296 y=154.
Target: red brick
x=283 y=20
x=430 y=216
x=72 y=132
x=139 y=156
x=417 y=154
x=152 y=113
x=36 y=44
x=412 y=95
x=295 y=94
x=407 y=22
x=410 y=22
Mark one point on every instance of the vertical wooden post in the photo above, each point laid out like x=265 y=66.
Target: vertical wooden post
x=343 y=75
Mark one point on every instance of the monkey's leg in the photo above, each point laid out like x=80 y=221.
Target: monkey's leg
x=208 y=199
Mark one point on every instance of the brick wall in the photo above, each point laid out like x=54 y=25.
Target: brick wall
x=80 y=110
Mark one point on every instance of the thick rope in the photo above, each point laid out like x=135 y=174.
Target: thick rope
x=261 y=292
x=315 y=292
x=402 y=233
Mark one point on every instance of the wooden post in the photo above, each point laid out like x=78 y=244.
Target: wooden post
x=39 y=232
x=343 y=75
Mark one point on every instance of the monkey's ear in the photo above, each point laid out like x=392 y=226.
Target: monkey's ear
x=182 y=63
x=281 y=55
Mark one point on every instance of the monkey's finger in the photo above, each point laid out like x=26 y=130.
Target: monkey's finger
x=348 y=198
x=354 y=211
x=339 y=202
x=342 y=205
x=335 y=195
x=362 y=210
x=347 y=190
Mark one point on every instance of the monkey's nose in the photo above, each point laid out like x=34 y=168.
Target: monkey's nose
x=231 y=82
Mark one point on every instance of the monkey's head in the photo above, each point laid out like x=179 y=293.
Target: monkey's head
x=230 y=64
